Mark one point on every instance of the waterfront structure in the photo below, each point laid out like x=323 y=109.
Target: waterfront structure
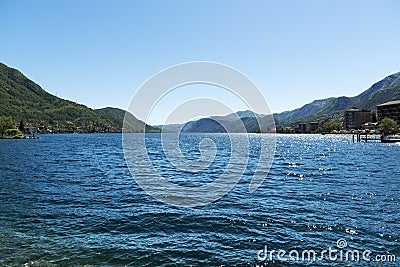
x=313 y=126
x=354 y=118
x=308 y=127
x=302 y=127
x=372 y=126
x=390 y=110
x=30 y=130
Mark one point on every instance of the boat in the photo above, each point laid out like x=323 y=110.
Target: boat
x=390 y=138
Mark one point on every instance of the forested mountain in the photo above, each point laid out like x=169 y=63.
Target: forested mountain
x=132 y=124
x=333 y=108
x=23 y=99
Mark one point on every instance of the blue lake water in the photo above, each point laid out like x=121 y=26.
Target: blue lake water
x=70 y=200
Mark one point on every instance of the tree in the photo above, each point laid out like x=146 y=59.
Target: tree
x=331 y=126
x=6 y=123
x=388 y=126
x=21 y=126
x=13 y=132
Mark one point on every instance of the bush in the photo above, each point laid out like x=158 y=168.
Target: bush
x=13 y=132
x=331 y=126
x=388 y=126
x=5 y=124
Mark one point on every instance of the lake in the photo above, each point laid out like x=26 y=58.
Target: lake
x=70 y=200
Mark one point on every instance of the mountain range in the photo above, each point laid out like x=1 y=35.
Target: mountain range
x=22 y=99
x=322 y=110
x=239 y=122
x=332 y=109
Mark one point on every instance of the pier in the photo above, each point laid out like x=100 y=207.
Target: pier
x=363 y=136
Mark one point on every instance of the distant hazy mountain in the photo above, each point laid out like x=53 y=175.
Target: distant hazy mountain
x=173 y=128
x=23 y=99
x=333 y=108
x=240 y=122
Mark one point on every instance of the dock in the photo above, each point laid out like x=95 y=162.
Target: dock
x=362 y=136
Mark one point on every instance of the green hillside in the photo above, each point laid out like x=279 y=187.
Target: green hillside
x=379 y=97
x=22 y=99
x=391 y=81
x=132 y=124
x=304 y=111
x=332 y=109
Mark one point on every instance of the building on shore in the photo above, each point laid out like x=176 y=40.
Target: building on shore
x=31 y=129
x=354 y=118
x=302 y=127
x=308 y=127
x=390 y=110
x=313 y=126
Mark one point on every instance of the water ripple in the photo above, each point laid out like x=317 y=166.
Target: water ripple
x=69 y=200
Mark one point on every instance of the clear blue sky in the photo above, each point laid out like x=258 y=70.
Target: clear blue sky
x=99 y=52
